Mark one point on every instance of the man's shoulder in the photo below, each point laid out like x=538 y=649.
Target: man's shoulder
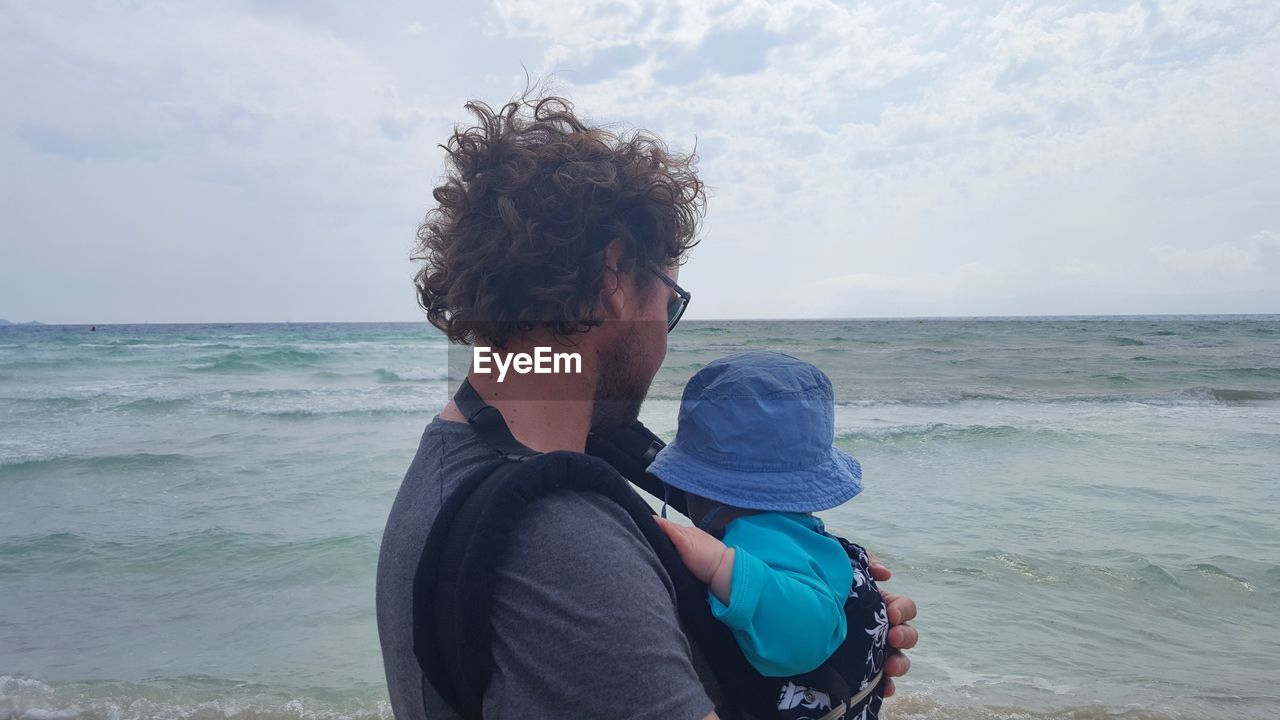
x=584 y=526
x=447 y=451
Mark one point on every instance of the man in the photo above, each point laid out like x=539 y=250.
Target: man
x=553 y=234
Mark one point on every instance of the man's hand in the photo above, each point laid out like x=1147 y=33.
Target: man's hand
x=901 y=610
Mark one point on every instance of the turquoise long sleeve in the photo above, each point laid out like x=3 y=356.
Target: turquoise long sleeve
x=789 y=585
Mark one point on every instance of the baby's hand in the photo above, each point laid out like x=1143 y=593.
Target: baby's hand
x=710 y=560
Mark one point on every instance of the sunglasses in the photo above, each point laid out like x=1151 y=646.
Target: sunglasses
x=677 y=304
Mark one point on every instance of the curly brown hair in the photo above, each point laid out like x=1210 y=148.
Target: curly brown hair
x=529 y=202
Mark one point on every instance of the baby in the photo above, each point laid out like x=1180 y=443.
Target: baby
x=753 y=453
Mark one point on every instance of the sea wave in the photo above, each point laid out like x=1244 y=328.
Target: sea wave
x=938 y=431
x=157 y=405
x=90 y=398
x=1024 y=566
x=44 y=364
x=144 y=345
x=211 y=548
x=28 y=453
x=406 y=396
x=60 y=462
x=122 y=342
x=1201 y=579
x=227 y=365
x=1213 y=571
x=321 y=402
x=317 y=413
x=689 y=368
x=382 y=346
x=244 y=360
x=772 y=341
x=417 y=374
x=1113 y=378
x=1202 y=394
x=1197 y=395
x=160 y=398
x=207 y=699
x=1252 y=372
x=927 y=706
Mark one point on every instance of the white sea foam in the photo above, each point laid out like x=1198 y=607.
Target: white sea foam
x=26 y=699
x=417 y=374
x=328 y=401
x=420 y=374
x=21 y=451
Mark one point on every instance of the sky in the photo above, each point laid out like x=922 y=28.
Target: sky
x=243 y=161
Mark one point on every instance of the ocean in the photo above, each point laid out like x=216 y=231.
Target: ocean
x=1085 y=509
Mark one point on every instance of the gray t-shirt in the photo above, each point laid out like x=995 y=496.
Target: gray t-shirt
x=584 y=619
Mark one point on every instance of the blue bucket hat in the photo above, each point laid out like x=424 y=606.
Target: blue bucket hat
x=756 y=431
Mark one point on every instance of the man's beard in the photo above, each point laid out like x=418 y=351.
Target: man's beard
x=619 y=391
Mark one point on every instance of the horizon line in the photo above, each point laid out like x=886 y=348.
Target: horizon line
x=749 y=319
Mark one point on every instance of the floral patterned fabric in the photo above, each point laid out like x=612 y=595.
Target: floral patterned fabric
x=850 y=685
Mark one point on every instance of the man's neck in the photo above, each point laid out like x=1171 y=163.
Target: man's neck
x=544 y=412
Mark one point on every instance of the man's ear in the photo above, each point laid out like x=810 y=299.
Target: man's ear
x=613 y=296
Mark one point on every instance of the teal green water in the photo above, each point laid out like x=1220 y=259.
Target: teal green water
x=1084 y=508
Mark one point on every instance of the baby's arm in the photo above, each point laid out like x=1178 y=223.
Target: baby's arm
x=786 y=609
x=710 y=560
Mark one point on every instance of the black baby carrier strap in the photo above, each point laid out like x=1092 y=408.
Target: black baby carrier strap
x=453 y=587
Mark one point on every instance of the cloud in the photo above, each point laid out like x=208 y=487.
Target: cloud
x=922 y=157
x=606 y=63
x=914 y=291
x=969 y=277
x=1252 y=260
x=724 y=51
x=214 y=88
